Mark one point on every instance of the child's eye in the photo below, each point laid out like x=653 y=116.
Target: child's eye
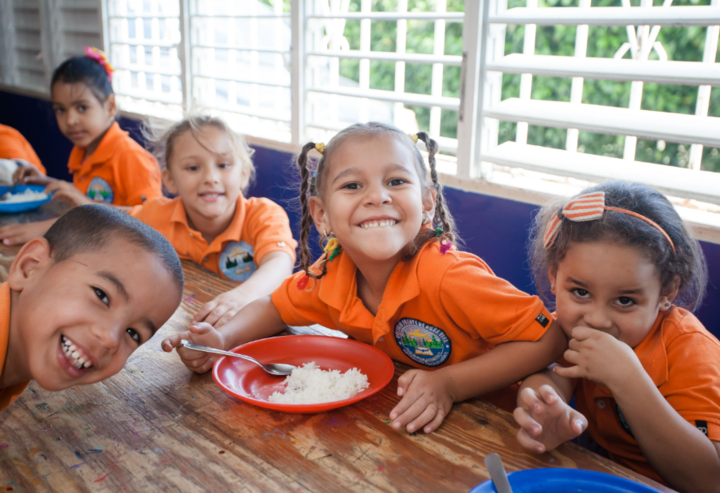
x=396 y=182
x=102 y=296
x=224 y=165
x=135 y=335
x=82 y=108
x=352 y=186
x=581 y=293
x=625 y=301
x=193 y=168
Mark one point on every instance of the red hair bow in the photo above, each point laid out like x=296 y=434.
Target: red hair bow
x=99 y=56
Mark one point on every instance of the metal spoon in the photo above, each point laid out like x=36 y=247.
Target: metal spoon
x=272 y=368
x=10 y=189
x=494 y=465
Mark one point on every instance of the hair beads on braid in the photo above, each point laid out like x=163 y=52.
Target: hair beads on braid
x=443 y=215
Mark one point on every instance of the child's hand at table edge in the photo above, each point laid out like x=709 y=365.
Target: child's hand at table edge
x=202 y=334
x=425 y=402
x=19 y=234
x=546 y=420
x=221 y=309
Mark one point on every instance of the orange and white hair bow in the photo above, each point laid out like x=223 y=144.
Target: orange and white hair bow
x=99 y=56
x=590 y=207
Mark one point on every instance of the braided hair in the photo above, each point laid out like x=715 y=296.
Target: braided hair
x=443 y=225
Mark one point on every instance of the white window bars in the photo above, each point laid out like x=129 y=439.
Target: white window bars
x=276 y=73
x=643 y=25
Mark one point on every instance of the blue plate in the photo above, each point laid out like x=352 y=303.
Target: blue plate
x=13 y=207
x=558 y=480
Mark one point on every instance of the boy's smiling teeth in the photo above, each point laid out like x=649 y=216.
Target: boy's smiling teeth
x=79 y=358
x=378 y=224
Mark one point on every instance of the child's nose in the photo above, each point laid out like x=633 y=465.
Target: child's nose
x=377 y=195
x=598 y=318
x=211 y=174
x=109 y=337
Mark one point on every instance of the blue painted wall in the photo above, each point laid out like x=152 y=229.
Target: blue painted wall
x=494 y=229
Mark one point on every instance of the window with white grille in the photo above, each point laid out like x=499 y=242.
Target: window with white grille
x=144 y=44
x=360 y=67
x=620 y=47
x=240 y=63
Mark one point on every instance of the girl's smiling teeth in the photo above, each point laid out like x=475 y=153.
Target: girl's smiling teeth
x=76 y=355
x=373 y=223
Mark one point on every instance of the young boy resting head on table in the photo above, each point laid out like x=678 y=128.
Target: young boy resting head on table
x=81 y=299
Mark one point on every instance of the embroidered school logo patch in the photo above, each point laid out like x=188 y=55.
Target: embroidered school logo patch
x=422 y=343
x=100 y=191
x=237 y=261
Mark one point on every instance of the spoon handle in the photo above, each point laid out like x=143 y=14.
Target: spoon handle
x=206 y=349
x=494 y=465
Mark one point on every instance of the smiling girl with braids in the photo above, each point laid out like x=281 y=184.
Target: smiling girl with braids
x=392 y=277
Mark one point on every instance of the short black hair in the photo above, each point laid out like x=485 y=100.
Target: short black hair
x=89 y=228
x=86 y=70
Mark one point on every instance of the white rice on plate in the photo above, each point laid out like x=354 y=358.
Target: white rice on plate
x=26 y=196
x=309 y=384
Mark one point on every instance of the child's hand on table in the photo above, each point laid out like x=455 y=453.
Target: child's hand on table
x=222 y=308
x=19 y=234
x=425 y=401
x=546 y=420
x=202 y=334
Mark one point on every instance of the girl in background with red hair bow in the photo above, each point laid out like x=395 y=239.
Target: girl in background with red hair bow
x=624 y=275
x=107 y=164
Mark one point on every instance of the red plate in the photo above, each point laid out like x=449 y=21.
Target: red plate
x=250 y=383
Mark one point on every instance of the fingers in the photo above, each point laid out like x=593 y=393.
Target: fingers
x=528 y=443
x=404 y=382
x=212 y=317
x=578 y=422
x=526 y=422
x=16 y=234
x=548 y=394
x=428 y=415
x=226 y=318
x=204 y=310
x=405 y=403
x=571 y=372
x=174 y=341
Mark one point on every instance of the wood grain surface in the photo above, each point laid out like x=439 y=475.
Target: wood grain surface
x=156 y=426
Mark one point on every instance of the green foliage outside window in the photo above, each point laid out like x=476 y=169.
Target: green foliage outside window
x=681 y=44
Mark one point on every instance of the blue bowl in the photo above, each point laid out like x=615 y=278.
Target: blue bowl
x=558 y=480
x=13 y=207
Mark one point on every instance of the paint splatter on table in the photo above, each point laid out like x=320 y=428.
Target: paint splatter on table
x=157 y=426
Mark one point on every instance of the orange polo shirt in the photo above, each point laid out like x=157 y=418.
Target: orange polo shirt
x=7 y=394
x=437 y=310
x=14 y=146
x=119 y=172
x=683 y=360
x=259 y=227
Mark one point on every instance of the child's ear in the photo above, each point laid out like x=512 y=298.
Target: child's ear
x=429 y=203
x=319 y=215
x=29 y=259
x=168 y=181
x=111 y=105
x=669 y=295
x=552 y=277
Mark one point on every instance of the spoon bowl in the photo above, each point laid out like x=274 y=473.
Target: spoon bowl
x=278 y=369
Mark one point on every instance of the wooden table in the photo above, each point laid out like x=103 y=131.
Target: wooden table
x=156 y=426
